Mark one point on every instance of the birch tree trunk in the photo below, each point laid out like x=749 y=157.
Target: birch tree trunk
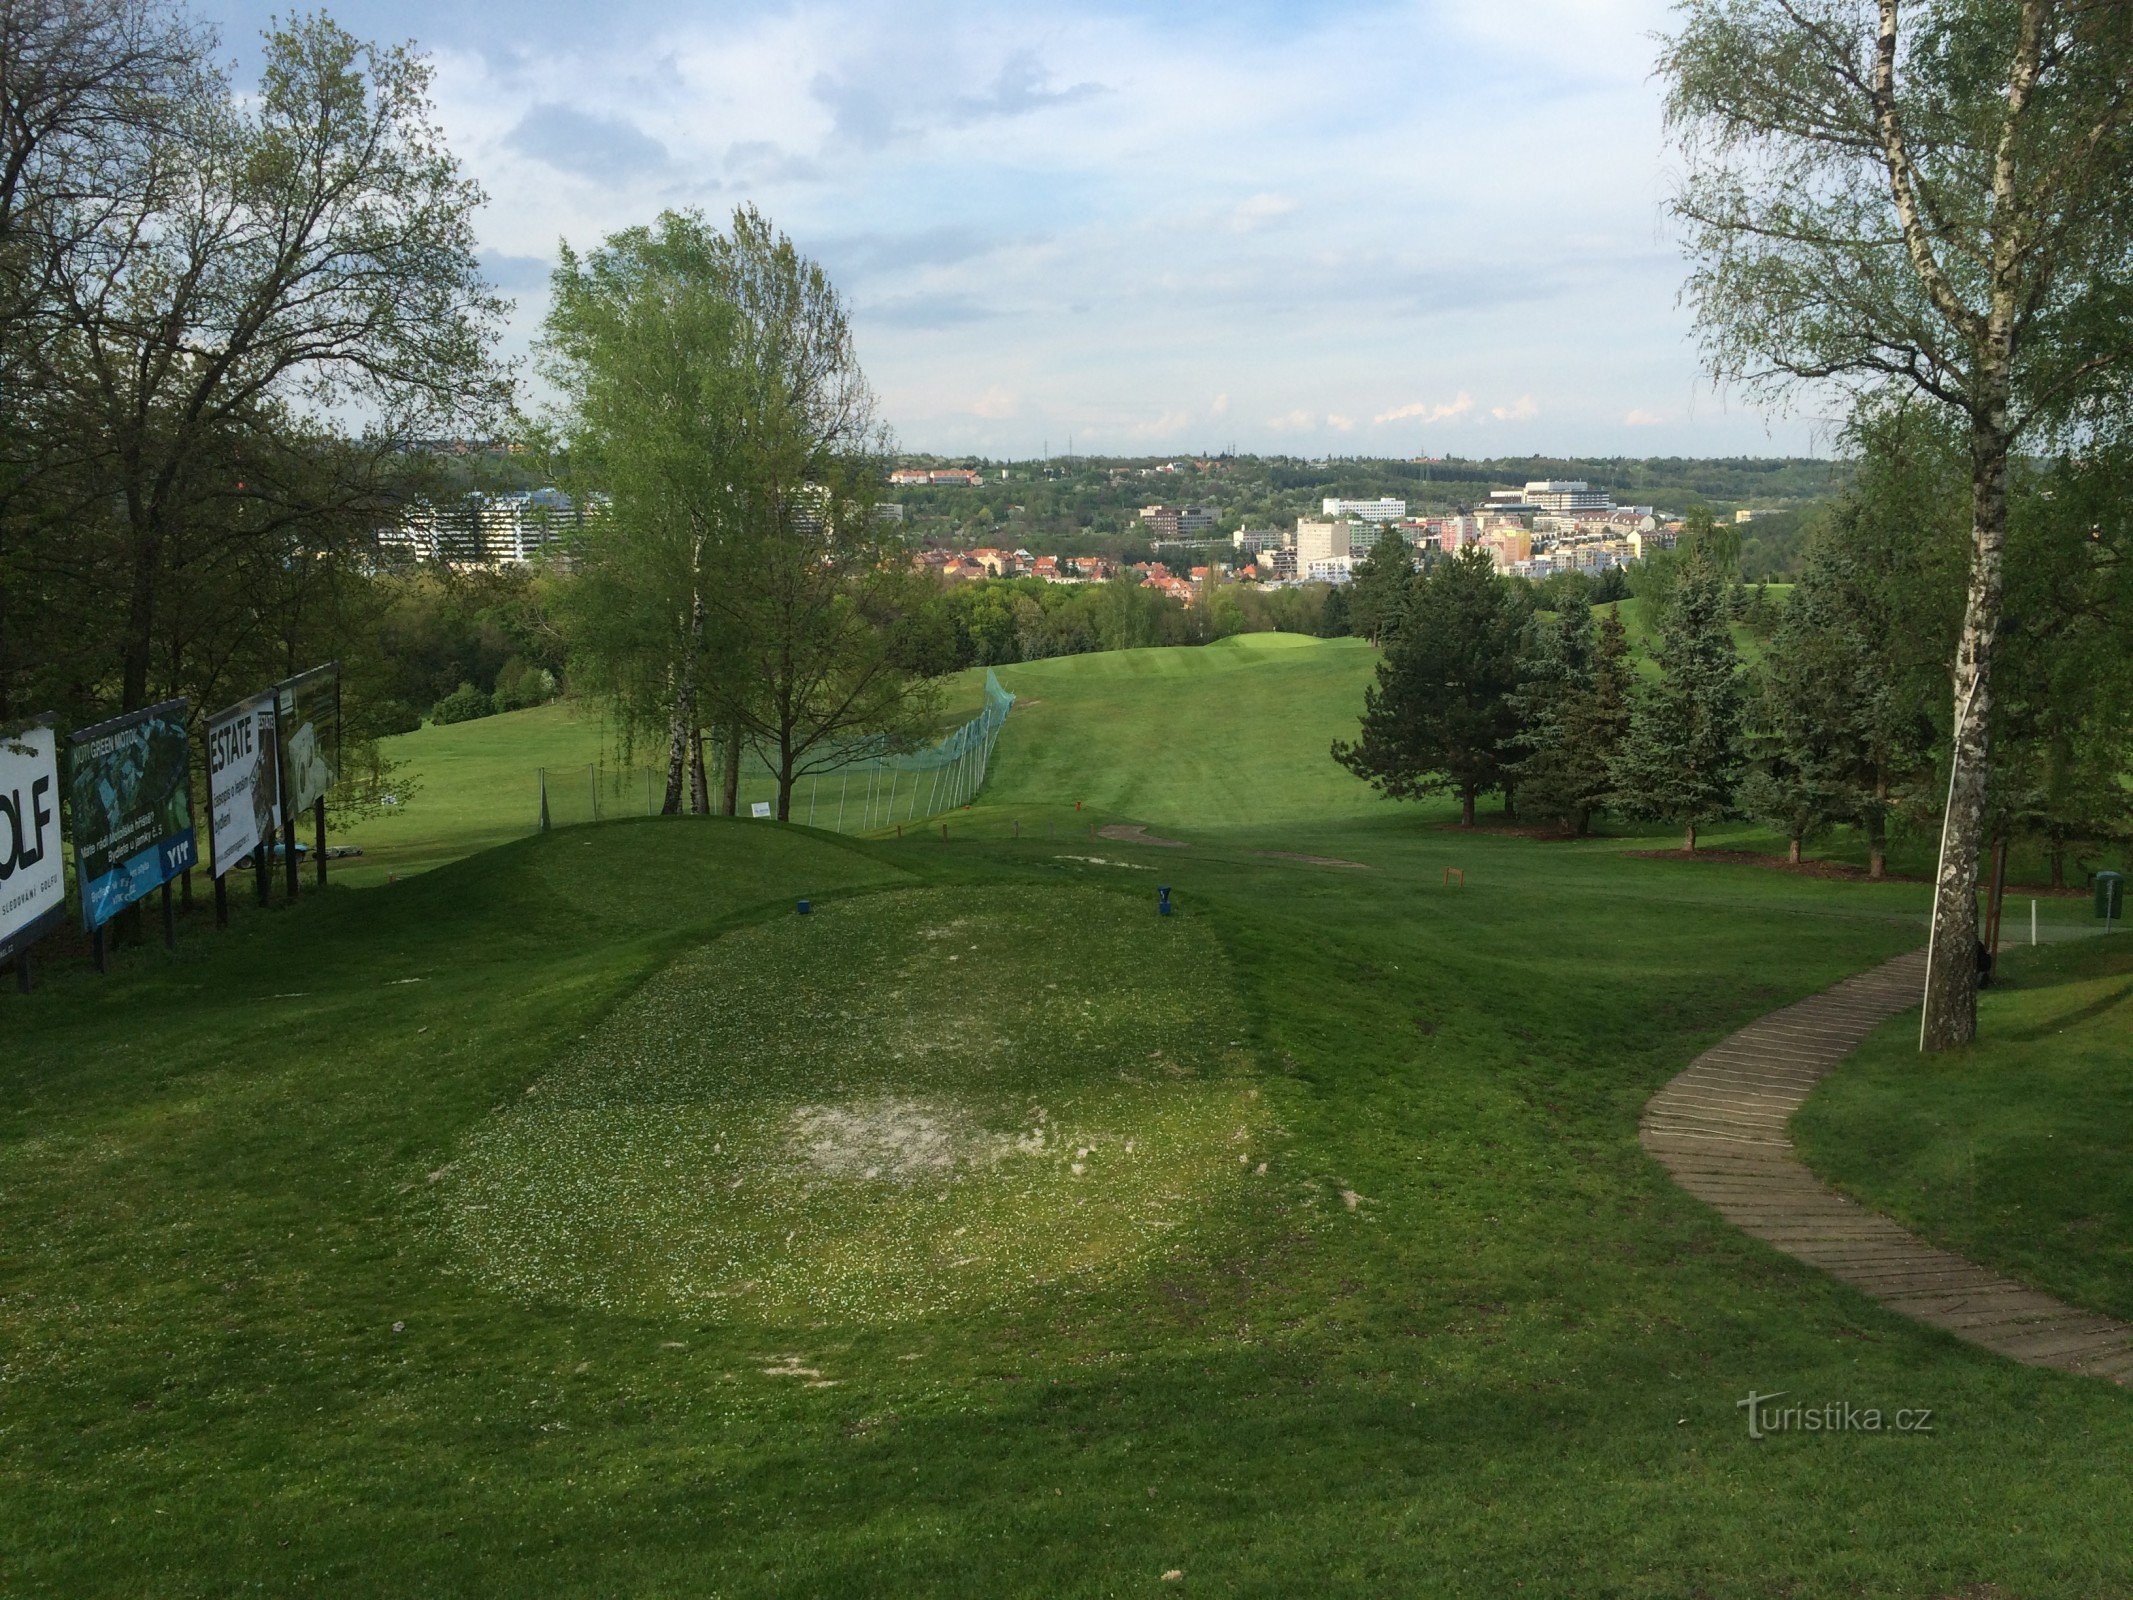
x=1951 y=982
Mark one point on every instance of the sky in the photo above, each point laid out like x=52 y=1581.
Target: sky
x=1436 y=227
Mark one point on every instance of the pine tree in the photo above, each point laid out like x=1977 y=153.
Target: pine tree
x=1444 y=706
x=1379 y=587
x=1851 y=672
x=1557 y=688
x=1681 y=761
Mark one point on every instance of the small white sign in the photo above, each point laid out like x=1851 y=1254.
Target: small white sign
x=762 y=808
x=33 y=874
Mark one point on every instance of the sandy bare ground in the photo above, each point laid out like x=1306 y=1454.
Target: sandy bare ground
x=1312 y=861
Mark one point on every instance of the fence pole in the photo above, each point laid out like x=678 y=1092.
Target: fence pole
x=592 y=776
x=542 y=773
x=647 y=791
x=846 y=784
x=933 y=793
x=866 y=814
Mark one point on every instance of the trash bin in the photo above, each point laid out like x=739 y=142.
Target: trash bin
x=2111 y=896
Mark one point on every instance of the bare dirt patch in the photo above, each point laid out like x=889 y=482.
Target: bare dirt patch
x=1137 y=833
x=900 y=1140
x=1312 y=861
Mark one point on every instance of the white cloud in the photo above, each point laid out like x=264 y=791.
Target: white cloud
x=1427 y=412
x=1169 y=424
x=1260 y=210
x=1018 y=234
x=1339 y=423
x=1641 y=418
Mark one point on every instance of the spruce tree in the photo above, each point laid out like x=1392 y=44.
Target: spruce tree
x=1553 y=698
x=1378 y=588
x=1444 y=707
x=1681 y=761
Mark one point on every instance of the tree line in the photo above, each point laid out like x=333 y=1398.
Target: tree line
x=1842 y=722
x=226 y=312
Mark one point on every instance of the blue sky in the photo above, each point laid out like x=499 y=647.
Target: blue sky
x=1316 y=228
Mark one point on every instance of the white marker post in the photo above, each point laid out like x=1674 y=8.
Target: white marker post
x=2033 y=924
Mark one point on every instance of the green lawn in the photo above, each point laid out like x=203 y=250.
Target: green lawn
x=2017 y=1152
x=374 y=1246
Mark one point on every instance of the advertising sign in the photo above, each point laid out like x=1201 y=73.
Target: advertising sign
x=33 y=872
x=243 y=781
x=129 y=787
x=310 y=709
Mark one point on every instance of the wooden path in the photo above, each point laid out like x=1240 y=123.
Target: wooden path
x=1720 y=1129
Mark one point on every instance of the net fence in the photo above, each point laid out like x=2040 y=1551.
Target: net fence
x=861 y=788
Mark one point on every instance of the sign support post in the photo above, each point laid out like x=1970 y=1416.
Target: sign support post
x=170 y=921
x=318 y=817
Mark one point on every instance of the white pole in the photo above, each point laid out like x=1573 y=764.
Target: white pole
x=2033 y=922
x=846 y=784
x=814 y=785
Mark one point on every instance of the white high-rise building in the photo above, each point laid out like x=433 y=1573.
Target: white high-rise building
x=1328 y=541
x=1568 y=494
x=1366 y=510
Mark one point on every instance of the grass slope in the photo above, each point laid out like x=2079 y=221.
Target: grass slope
x=1459 y=1337
x=2013 y=1152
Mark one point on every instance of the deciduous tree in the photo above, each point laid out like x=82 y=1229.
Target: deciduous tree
x=1931 y=196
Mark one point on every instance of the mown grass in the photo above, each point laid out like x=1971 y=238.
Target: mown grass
x=244 y=1345
x=939 y=1120
x=2015 y=1151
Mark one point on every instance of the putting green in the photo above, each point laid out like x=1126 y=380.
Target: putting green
x=898 y=1105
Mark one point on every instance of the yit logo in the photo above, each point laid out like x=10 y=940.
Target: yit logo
x=25 y=827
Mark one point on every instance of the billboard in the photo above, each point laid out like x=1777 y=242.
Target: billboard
x=310 y=714
x=33 y=872
x=243 y=781
x=129 y=789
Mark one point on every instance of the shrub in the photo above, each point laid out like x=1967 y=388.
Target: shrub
x=463 y=704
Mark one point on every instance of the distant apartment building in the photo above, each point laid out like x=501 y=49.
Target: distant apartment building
x=1277 y=563
x=1567 y=494
x=1365 y=510
x=889 y=510
x=1326 y=569
x=481 y=530
x=921 y=477
x=1176 y=522
x=1250 y=541
x=1329 y=541
x=1507 y=549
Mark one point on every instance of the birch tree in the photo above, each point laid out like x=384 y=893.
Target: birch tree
x=1927 y=195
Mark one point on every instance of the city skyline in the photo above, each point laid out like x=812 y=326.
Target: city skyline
x=1343 y=229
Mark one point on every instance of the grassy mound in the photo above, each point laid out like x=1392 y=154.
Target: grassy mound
x=2013 y=1152
x=896 y=1106
x=1464 y=1337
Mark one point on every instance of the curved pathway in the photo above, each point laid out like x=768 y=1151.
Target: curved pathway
x=1720 y=1129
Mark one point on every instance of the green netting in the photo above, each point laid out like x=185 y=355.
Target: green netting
x=864 y=787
